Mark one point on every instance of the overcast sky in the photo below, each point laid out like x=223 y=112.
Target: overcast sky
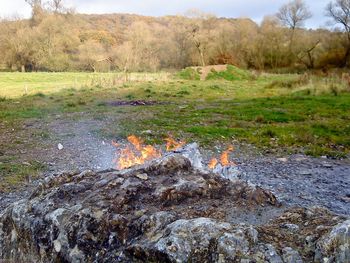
x=255 y=9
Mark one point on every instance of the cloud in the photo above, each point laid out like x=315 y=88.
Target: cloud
x=14 y=7
x=255 y=9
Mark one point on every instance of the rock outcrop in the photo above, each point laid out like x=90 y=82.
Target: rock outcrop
x=170 y=210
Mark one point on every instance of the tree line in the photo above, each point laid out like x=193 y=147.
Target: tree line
x=58 y=39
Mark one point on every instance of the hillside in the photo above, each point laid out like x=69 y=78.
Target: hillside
x=126 y=42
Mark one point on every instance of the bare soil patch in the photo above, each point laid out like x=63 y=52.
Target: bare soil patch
x=133 y=103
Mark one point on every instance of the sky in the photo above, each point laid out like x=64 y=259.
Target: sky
x=254 y=9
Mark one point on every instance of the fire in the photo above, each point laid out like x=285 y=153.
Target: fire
x=137 y=153
x=172 y=145
x=136 y=142
x=213 y=162
x=224 y=159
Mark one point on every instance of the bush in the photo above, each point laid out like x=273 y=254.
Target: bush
x=268 y=133
x=289 y=83
x=39 y=94
x=183 y=92
x=334 y=89
x=231 y=73
x=260 y=119
x=189 y=74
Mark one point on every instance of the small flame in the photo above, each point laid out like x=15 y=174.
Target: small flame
x=224 y=159
x=172 y=145
x=213 y=162
x=136 y=142
x=135 y=154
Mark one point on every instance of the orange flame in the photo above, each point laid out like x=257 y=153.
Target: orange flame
x=213 y=162
x=224 y=159
x=136 y=142
x=135 y=154
x=172 y=145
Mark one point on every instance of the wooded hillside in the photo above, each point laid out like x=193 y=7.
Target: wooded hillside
x=57 y=39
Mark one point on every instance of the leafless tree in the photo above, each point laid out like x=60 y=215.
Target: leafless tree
x=339 y=11
x=294 y=14
x=56 y=6
x=37 y=10
x=198 y=42
x=34 y=3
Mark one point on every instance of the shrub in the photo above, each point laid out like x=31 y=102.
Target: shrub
x=81 y=102
x=289 y=83
x=130 y=96
x=269 y=133
x=260 y=119
x=183 y=92
x=189 y=74
x=71 y=104
x=334 y=89
x=231 y=73
x=40 y=94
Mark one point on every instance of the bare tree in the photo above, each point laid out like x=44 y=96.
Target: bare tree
x=34 y=3
x=37 y=10
x=293 y=15
x=199 y=43
x=339 y=11
x=56 y=6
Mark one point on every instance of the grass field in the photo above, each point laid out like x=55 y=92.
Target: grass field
x=13 y=85
x=275 y=113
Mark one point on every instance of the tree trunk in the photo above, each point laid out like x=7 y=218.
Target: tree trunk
x=23 y=68
x=345 y=62
x=202 y=58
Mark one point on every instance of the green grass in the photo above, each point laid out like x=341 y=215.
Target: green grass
x=282 y=113
x=316 y=125
x=231 y=73
x=189 y=74
x=13 y=85
x=14 y=175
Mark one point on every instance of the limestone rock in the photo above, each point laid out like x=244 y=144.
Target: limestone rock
x=180 y=213
x=335 y=247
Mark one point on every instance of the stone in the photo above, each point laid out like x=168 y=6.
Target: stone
x=191 y=152
x=232 y=244
x=327 y=165
x=291 y=227
x=335 y=246
x=271 y=254
x=305 y=172
x=228 y=172
x=180 y=213
x=291 y=256
x=142 y=176
x=192 y=241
